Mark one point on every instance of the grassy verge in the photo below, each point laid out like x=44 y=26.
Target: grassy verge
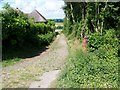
x=86 y=70
x=21 y=78
x=10 y=62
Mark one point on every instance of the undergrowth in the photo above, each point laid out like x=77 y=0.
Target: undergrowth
x=89 y=70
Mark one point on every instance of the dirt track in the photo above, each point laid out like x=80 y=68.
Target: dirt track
x=29 y=70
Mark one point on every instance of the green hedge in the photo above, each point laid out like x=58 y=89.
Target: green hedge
x=109 y=37
x=18 y=30
x=46 y=39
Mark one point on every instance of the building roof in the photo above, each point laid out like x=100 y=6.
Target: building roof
x=37 y=16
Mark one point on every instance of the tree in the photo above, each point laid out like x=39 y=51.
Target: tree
x=92 y=17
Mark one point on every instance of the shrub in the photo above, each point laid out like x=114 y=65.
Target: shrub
x=96 y=40
x=18 y=30
x=46 y=39
x=85 y=69
x=59 y=27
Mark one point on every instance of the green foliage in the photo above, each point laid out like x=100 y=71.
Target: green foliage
x=51 y=23
x=78 y=31
x=96 y=40
x=67 y=29
x=59 y=27
x=98 y=67
x=46 y=39
x=10 y=62
x=88 y=70
x=18 y=30
x=92 y=17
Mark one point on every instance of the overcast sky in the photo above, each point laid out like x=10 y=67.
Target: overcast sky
x=48 y=8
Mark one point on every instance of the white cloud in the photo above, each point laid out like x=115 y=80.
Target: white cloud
x=49 y=8
x=9 y=1
x=52 y=9
x=23 y=5
x=18 y=2
x=53 y=4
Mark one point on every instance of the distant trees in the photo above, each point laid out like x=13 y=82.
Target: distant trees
x=58 y=20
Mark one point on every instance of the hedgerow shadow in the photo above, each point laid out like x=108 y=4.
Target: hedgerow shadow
x=26 y=52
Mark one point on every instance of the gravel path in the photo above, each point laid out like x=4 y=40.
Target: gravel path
x=28 y=71
x=46 y=79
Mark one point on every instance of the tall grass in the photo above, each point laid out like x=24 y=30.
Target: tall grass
x=88 y=70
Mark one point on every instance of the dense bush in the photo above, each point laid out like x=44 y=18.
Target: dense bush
x=19 y=31
x=95 y=68
x=89 y=70
x=96 y=40
x=46 y=39
x=98 y=67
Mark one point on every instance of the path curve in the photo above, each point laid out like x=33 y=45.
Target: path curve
x=48 y=61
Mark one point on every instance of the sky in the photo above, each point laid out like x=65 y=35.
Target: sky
x=50 y=9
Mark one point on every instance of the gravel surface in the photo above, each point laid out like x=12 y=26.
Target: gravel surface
x=29 y=70
x=46 y=79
